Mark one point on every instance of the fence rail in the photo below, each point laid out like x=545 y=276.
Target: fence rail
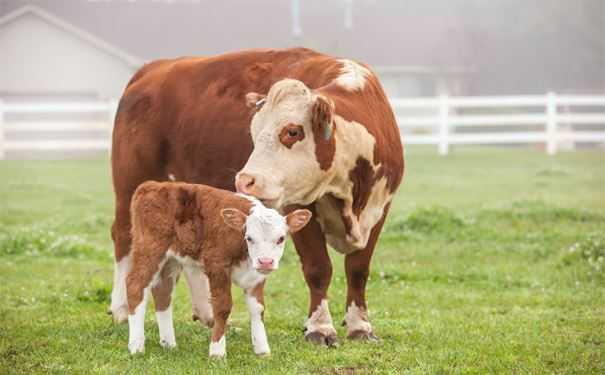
x=551 y=120
x=447 y=121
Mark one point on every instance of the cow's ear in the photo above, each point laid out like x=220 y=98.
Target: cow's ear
x=234 y=218
x=255 y=100
x=298 y=219
x=321 y=117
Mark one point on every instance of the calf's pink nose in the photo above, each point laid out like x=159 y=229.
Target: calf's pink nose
x=244 y=183
x=265 y=262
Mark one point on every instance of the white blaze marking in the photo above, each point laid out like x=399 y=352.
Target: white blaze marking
x=136 y=326
x=166 y=327
x=119 y=303
x=352 y=75
x=321 y=320
x=257 y=327
x=217 y=349
x=357 y=319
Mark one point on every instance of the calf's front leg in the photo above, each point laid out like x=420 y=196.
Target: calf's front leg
x=220 y=290
x=256 y=306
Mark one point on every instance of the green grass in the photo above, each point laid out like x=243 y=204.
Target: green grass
x=491 y=262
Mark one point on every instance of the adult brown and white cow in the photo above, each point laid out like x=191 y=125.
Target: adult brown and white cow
x=294 y=128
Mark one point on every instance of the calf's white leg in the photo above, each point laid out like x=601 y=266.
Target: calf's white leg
x=260 y=343
x=136 y=326
x=166 y=327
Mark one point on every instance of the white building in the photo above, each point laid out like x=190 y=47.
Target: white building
x=45 y=57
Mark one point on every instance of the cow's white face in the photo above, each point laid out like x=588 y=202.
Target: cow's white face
x=292 y=134
x=265 y=231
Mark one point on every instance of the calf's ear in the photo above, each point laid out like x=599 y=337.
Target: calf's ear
x=234 y=218
x=255 y=100
x=296 y=220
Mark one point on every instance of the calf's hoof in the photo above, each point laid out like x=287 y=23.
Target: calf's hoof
x=136 y=347
x=330 y=340
x=361 y=335
x=217 y=357
x=167 y=344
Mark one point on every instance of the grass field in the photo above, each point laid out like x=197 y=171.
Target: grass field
x=492 y=261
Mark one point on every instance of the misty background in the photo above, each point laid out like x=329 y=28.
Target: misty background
x=418 y=47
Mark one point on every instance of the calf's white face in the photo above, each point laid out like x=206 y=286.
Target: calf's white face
x=265 y=232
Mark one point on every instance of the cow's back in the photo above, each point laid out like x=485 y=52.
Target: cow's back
x=186 y=118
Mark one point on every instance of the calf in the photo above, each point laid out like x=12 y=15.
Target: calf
x=229 y=237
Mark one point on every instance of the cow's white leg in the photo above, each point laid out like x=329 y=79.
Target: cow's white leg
x=260 y=343
x=166 y=327
x=119 y=304
x=200 y=295
x=320 y=321
x=136 y=326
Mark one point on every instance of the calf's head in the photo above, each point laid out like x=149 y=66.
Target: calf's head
x=265 y=232
x=293 y=135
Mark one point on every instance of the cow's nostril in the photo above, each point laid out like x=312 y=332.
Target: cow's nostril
x=244 y=183
x=250 y=182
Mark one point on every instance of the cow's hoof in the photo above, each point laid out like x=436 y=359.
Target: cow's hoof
x=208 y=322
x=361 y=335
x=318 y=338
x=120 y=315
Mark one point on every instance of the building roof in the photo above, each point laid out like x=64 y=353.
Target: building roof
x=97 y=42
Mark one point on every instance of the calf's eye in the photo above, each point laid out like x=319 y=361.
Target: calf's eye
x=249 y=239
x=280 y=240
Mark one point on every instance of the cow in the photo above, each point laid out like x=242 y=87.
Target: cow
x=293 y=127
x=226 y=236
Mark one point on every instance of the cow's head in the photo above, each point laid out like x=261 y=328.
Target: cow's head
x=293 y=135
x=265 y=231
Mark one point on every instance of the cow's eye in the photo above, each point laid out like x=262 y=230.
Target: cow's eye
x=293 y=132
x=280 y=240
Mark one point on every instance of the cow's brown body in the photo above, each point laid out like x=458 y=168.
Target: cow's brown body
x=187 y=119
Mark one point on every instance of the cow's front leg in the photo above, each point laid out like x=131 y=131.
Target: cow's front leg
x=357 y=268
x=310 y=244
x=256 y=306
x=220 y=290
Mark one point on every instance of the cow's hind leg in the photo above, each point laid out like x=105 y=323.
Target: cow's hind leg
x=310 y=244
x=162 y=294
x=120 y=233
x=357 y=268
x=200 y=295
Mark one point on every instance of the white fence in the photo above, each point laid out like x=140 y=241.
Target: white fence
x=450 y=121
x=550 y=120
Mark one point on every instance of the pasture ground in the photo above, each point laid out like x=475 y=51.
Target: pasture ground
x=491 y=262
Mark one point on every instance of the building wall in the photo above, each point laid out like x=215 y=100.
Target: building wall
x=37 y=58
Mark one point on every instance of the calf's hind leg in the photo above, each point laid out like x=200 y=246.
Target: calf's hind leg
x=147 y=262
x=162 y=294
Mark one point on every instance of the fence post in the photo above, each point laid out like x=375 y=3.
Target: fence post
x=2 y=140
x=444 y=124
x=551 y=124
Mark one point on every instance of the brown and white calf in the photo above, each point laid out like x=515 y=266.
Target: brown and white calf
x=228 y=237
